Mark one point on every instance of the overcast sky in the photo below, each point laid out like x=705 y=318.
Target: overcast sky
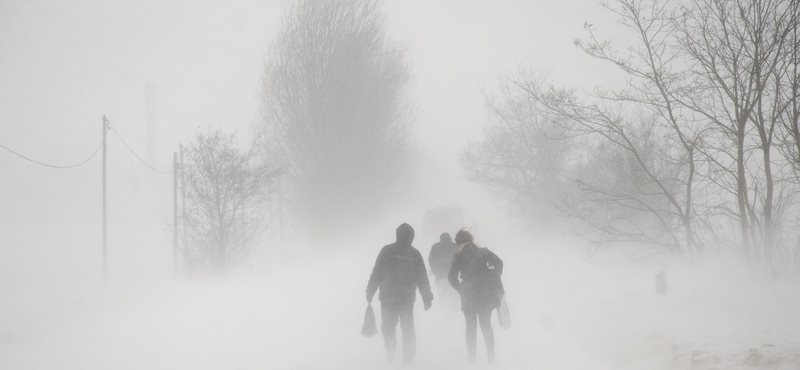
x=63 y=65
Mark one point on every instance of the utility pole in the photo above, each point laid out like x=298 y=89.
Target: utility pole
x=183 y=197
x=280 y=209
x=175 y=210
x=105 y=234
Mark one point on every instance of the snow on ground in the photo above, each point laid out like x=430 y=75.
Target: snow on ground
x=304 y=311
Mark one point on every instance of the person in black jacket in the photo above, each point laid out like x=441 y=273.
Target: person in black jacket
x=475 y=275
x=399 y=270
x=440 y=259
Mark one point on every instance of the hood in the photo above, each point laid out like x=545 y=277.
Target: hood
x=405 y=234
x=463 y=236
x=445 y=237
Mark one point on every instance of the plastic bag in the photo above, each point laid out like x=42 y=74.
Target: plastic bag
x=503 y=314
x=369 y=328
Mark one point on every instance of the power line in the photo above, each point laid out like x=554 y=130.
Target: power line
x=50 y=165
x=136 y=155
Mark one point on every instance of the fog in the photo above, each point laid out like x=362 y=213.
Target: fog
x=297 y=302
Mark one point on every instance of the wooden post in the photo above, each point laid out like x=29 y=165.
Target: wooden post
x=175 y=210
x=105 y=233
x=183 y=197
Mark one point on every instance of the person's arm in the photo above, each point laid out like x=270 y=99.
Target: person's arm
x=423 y=284
x=452 y=276
x=375 y=277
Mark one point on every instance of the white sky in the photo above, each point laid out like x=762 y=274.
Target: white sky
x=65 y=65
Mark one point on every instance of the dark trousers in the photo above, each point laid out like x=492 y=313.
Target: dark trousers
x=391 y=313
x=485 y=318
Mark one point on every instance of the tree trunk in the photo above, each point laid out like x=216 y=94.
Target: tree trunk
x=687 y=214
x=741 y=188
x=768 y=222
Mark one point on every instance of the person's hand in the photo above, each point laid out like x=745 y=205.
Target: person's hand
x=427 y=305
x=369 y=298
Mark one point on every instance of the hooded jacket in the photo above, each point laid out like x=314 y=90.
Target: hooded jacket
x=399 y=270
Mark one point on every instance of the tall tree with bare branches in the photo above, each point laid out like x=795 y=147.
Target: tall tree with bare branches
x=735 y=49
x=656 y=83
x=336 y=113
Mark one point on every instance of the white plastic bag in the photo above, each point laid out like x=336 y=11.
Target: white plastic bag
x=503 y=314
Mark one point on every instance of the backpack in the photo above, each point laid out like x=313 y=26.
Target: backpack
x=489 y=277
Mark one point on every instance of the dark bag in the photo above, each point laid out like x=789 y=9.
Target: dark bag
x=369 y=328
x=490 y=278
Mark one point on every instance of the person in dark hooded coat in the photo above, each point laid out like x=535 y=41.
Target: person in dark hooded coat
x=440 y=259
x=475 y=275
x=399 y=270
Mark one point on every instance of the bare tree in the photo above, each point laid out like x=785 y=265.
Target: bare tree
x=786 y=109
x=703 y=133
x=638 y=155
x=657 y=83
x=335 y=111
x=789 y=91
x=522 y=153
x=735 y=49
x=226 y=190
x=632 y=179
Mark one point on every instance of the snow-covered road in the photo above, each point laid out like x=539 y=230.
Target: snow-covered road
x=305 y=313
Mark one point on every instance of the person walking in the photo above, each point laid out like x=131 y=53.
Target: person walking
x=440 y=259
x=399 y=271
x=475 y=275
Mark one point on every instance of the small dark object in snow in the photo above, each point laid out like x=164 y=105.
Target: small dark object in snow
x=661 y=283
